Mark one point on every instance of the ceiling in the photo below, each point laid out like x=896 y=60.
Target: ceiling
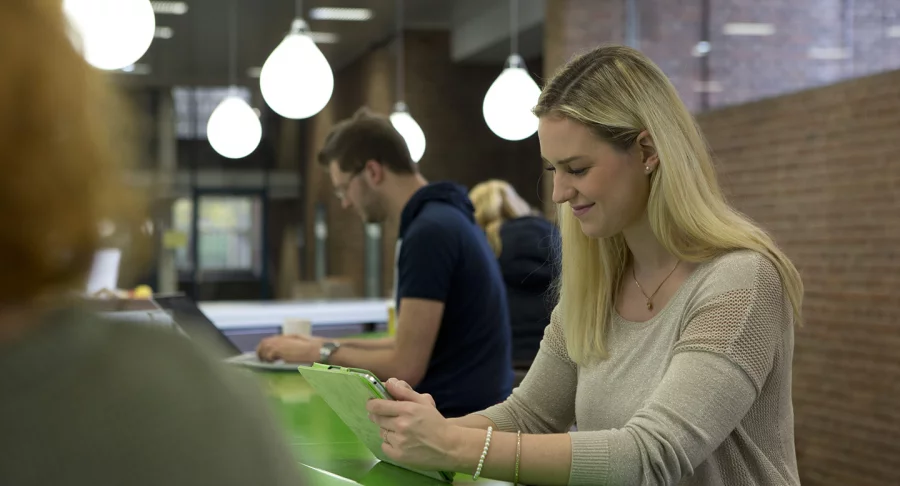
x=198 y=53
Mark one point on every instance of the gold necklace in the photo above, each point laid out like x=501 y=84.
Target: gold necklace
x=650 y=298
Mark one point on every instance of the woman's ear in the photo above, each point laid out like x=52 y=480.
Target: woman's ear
x=649 y=156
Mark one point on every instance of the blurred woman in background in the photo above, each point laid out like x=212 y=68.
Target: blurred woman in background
x=84 y=400
x=522 y=240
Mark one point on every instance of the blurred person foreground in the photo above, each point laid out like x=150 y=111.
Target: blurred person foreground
x=84 y=400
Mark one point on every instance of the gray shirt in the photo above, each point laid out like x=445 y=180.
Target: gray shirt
x=92 y=402
x=698 y=395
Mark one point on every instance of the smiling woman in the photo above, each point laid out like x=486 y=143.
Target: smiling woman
x=689 y=384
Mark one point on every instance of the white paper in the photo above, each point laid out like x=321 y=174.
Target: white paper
x=105 y=270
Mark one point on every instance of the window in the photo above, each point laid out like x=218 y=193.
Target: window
x=230 y=233
x=193 y=106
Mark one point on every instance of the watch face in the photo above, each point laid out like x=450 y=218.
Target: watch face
x=327 y=349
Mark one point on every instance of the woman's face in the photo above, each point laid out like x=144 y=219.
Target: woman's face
x=605 y=188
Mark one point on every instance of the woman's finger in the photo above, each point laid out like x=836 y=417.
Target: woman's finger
x=401 y=391
x=390 y=451
x=392 y=438
x=399 y=382
x=387 y=423
x=385 y=408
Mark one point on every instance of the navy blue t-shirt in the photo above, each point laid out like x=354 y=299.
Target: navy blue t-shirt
x=444 y=256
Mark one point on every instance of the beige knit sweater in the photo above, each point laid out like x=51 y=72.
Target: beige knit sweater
x=698 y=395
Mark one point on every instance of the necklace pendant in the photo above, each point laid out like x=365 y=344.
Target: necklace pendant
x=649 y=305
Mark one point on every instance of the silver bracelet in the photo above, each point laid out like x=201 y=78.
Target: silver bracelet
x=487 y=445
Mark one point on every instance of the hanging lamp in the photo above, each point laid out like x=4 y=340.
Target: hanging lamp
x=296 y=80
x=508 y=102
x=402 y=121
x=233 y=128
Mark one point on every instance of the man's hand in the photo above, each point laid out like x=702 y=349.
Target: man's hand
x=292 y=349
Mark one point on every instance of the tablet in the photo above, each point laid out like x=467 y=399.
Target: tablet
x=346 y=391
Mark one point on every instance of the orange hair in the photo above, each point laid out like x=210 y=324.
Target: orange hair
x=62 y=142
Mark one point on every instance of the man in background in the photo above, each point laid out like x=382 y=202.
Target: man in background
x=453 y=335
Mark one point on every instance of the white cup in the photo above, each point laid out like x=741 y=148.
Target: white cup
x=296 y=327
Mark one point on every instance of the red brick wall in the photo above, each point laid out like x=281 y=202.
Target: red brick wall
x=573 y=26
x=445 y=99
x=747 y=68
x=818 y=169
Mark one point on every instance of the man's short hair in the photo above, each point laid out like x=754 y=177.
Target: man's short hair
x=363 y=137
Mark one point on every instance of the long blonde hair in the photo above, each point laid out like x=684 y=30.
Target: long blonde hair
x=618 y=93
x=496 y=202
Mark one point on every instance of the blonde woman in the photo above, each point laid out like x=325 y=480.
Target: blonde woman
x=672 y=341
x=521 y=239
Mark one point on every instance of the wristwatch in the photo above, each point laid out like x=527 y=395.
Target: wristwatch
x=326 y=351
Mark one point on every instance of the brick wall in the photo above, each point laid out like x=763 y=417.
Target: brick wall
x=445 y=99
x=818 y=169
x=745 y=68
x=573 y=26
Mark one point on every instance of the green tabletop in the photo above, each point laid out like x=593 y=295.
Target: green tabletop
x=325 y=447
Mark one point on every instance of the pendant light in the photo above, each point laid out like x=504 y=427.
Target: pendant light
x=233 y=129
x=510 y=99
x=111 y=34
x=296 y=80
x=402 y=121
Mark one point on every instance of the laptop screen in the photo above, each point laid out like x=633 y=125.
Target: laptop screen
x=193 y=321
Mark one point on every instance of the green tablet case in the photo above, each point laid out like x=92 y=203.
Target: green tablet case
x=346 y=391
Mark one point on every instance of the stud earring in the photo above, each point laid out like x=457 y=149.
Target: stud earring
x=647 y=168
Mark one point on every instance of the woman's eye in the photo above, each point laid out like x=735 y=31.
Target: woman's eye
x=577 y=172
x=550 y=168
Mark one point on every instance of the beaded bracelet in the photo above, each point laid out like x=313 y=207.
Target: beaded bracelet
x=487 y=444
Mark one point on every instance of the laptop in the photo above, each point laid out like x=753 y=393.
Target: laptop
x=189 y=319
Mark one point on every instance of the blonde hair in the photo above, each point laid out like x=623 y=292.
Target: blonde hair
x=62 y=144
x=618 y=92
x=495 y=203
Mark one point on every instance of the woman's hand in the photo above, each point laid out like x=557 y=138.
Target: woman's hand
x=292 y=349
x=406 y=393
x=414 y=432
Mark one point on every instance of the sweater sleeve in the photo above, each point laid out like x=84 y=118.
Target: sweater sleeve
x=719 y=364
x=545 y=401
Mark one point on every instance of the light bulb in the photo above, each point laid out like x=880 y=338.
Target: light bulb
x=296 y=80
x=111 y=34
x=233 y=129
x=404 y=123
x=509 y=101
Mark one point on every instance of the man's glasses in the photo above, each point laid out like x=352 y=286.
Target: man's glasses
x=340 y=191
